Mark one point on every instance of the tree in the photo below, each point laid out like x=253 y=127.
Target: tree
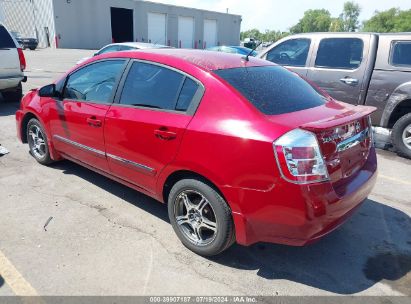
x=392 y=20
x=253 y=33
x=337 y=24
x=350 y=16
x=318 y=20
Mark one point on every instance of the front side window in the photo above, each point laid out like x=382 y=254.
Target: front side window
x=340 y=53
x=273 y=89
x=401 y=53
x=157 y=87
x=95 y=82
x=293 y=52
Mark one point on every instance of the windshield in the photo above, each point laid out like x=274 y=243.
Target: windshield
x=272 y=89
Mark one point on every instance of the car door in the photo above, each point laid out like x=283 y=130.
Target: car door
x=77 y=123
x=292 y=53
x=339 y=66
x=145 y=126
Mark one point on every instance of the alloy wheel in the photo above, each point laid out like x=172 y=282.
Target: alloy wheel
x=37 y=142
x=406 y=136
x=195 y=217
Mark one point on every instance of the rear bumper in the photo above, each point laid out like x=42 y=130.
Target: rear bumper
x=12 y=82
x=299 y=214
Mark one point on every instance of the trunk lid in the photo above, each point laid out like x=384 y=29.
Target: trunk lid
x=343 y=132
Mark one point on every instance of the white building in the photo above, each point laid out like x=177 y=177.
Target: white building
x=90 y=24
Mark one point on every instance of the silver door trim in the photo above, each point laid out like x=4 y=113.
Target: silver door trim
x=103 y=154
x=80 y=146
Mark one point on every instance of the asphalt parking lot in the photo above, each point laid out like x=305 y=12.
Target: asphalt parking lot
x=106 y=239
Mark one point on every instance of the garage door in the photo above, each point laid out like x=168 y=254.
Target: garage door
x=157 y=28
x=186 y=32
x=210 y=33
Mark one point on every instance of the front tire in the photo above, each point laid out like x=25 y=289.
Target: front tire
x=401 y=136
x=37 y=140
x=200 y=217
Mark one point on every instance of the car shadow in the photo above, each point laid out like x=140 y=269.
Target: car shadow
x=131 y=196
x=8 y=108
x=373 y=246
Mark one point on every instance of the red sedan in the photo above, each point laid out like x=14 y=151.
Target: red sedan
x=239 y=149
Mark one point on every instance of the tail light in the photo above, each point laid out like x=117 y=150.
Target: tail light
x=299 y=158
x=22 y=59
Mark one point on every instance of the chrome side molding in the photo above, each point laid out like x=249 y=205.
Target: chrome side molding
x=103 y=154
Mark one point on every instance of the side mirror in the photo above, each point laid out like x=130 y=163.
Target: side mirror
x=48 y=91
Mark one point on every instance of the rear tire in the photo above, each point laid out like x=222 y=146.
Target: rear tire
x=32 y=48
x=401 y=136
x=15 y=95
x=200 y=217
x=38 y=143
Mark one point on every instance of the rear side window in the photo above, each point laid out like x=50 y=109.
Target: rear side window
x=272 y=89
x=6 y=42
x=340 y=53
x=157 y=87
x=187 y=94
x=293 y=52
x=401 y=54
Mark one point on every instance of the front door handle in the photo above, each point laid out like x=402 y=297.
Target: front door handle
x=94 y=122
x=349 y=81
x=165 y=134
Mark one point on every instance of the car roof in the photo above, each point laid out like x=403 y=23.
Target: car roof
x=202 y=58
x=139 y=45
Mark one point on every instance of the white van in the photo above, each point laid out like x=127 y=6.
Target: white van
x=12 y=65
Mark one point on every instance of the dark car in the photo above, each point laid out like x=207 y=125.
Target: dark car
x=234 y=50
x=25 y=43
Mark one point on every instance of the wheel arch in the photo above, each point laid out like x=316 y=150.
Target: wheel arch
x=401 y=109
x=178 y=175
x=24 y=122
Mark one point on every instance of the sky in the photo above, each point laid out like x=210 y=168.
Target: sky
x=281 y=15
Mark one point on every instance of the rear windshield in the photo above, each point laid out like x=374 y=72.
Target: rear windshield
x=272 y=89
x=6 y=42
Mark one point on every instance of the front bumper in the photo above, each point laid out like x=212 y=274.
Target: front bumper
x=299 y=214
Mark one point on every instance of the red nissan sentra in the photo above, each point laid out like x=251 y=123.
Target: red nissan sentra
x=241 y=150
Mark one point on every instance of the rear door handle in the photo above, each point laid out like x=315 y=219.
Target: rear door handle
x=349 y=80
x=94 y=122
x=165 y=134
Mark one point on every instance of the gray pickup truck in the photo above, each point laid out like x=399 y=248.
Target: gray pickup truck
x=358 y=68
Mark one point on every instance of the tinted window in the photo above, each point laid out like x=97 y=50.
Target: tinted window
x=126 y=48
x=340 y=53
x=292 y=52
x=272 y=89
x=402 y=53
x=186 y=95
x=94 y=82
x=6 y=42
x=109 y=49
x=152 y=86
